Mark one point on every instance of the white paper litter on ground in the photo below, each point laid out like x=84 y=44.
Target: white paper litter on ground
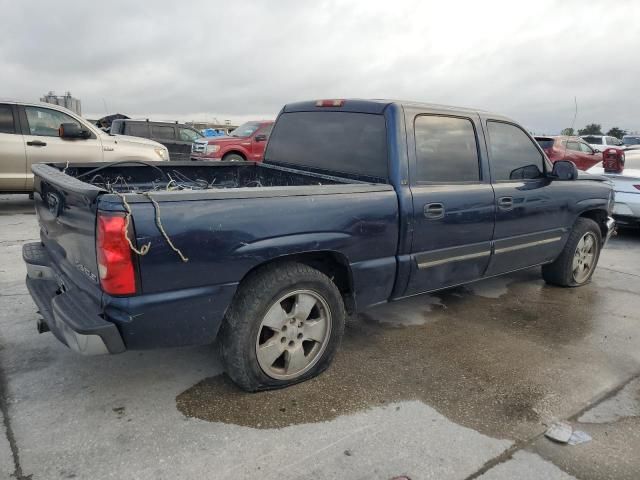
x=559 y=432
x=578 y=437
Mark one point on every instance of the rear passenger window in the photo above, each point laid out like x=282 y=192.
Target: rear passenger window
x=163 y=132
x=6 y=119
x=512 y=153
x=138 y=130
x=446 y=150
x=593 y=140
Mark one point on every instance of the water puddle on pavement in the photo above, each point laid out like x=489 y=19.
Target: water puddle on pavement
x=483 y=361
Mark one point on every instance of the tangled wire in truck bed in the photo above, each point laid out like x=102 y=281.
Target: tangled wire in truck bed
x=175 y=180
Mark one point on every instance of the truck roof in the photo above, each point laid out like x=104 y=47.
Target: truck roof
x=378 y=106
x=36 y=104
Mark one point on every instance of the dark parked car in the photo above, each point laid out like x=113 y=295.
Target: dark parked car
x=177 y=137
x=356 y=203
x=573 y=149
x=631 y=142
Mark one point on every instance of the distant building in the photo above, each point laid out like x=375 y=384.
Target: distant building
x=66 y=101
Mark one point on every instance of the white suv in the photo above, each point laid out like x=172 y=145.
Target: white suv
x=39 y=132
x=602 y=142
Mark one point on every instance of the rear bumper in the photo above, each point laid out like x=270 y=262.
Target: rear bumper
x=71 y=315
x=627 y=205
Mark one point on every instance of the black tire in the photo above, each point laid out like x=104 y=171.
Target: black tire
x=233 y=157
x=561 y=271
x=242 y=325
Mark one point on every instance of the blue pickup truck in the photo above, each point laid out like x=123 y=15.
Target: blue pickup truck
x=357 y=203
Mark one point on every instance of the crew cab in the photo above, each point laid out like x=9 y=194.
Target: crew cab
x=269 y=257
x=247 y=142
x=41 y=132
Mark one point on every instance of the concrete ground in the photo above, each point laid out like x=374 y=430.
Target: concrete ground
x=458 y=385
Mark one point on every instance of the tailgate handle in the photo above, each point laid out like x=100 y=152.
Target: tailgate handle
x=36 y=143
x=434 y=211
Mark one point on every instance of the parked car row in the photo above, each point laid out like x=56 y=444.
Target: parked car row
x=31 y=133
x=35 y=132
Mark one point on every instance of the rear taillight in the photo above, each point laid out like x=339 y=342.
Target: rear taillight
x=115 y=264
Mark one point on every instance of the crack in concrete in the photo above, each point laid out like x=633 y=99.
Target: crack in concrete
x=618 y=271
x=516 y=447
x=13 y=444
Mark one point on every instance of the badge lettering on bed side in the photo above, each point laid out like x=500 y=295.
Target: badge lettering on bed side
x=87 y=272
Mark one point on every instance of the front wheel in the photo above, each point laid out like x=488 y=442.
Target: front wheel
x=577 y=262
x=284 y=327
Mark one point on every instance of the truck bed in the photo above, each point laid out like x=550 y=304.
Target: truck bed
x=197 y=176
x=226 y=219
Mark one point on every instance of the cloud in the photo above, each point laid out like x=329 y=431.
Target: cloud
x=203 y=59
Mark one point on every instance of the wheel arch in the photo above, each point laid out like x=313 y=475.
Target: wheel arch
x=333 y=264
x=236 y=151
x=599 y=216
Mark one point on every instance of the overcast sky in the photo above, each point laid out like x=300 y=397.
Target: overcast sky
x=245 y=59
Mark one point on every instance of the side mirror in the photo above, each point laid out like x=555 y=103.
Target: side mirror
x=72 y=130
x=260 y=138
x=595 y=150
x=564 y=170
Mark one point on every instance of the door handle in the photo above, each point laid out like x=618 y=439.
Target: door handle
x=505 y=203
x=434 y=211
x=36 y=143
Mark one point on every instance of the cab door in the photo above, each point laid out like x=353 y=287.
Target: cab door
x=453 y=201
x=43 y=143
x=13 y=159
x=259 y=142
x=532 y=216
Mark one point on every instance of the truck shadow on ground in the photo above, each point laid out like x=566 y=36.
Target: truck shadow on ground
x=498 y=365
x=16 y=204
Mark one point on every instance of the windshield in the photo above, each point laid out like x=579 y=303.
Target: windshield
x=245 y=130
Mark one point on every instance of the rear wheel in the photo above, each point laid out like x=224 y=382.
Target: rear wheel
x=577 y=262
x=233 y=157
x=284 y=327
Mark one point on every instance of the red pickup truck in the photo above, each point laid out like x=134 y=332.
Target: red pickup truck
x=247 y=142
